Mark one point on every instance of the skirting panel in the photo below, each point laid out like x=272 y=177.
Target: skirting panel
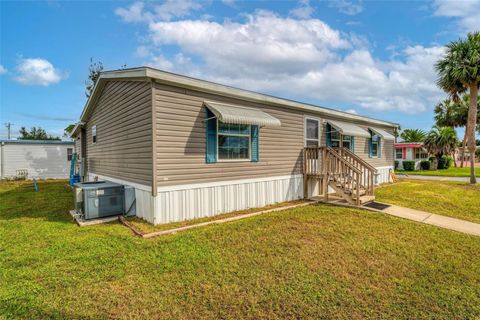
x=180 y=203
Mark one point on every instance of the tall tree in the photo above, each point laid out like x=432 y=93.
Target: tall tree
x=94 y=71
x=413 y=135
x=35 y=134
x=449 y=113
x=441 y=141
x=459 y=72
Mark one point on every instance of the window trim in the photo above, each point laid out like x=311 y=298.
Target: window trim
x=305 y=139
x=70 y=155
x=401 y=151
x=249 y=135
x=94 y=136
x=351 y=141
x=420 y=150
x=376 y=155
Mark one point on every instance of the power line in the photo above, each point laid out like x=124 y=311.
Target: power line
x=8 y=125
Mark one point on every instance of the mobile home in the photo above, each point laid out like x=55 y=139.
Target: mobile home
x=193 y=148
x=39 y=159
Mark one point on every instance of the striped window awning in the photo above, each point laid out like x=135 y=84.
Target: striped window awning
x=383 y=134
x=349 y=129
x=228 y=113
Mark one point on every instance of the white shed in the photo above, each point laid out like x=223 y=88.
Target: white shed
x=42 y=159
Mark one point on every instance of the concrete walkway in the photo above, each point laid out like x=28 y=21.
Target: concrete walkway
x=433 y=219
x=437 y=178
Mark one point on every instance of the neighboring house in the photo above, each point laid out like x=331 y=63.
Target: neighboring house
x=193 y=148
x=466 y=155
x=40 y=159
x=410 y=151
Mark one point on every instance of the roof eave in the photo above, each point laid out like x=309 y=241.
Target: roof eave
x=211 y=87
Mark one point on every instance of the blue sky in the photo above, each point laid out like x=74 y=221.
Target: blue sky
x=373 y=58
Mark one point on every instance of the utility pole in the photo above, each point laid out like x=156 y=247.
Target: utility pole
x=8 y=125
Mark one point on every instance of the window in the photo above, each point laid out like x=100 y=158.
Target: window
x=94 y=134
x=233 y=141
x=335 y=139
x=375 y=145
x=347 y=142
x=69 y=154
x=420 y=153
x=398 y=153
x=312 y=137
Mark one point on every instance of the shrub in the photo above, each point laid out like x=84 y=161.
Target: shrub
x=397 y=163
x=408 y=165
x=425 y=165
x=444 y=162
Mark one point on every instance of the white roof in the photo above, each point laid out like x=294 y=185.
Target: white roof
x=383 y=134
x=243 y=115
x=349 y=129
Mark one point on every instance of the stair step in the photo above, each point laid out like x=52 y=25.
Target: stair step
x=354 y=194
x=366 y=199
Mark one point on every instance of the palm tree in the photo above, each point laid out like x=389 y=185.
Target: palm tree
x=441 y=141
x=413 y=135
x=459 y=72
x=452 y=114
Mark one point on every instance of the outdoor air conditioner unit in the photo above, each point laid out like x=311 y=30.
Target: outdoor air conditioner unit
x=99 y=199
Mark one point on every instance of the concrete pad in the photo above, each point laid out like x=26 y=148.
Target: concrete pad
x=454 y=224
x=407 y=213
x=83 y=223
x=434 y=178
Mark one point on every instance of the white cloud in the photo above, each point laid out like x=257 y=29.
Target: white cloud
x=346 y=7
x=37 y=72
x=166 y=11
x=352 y=111
x=466 y=11
x=303 y=11
x=3 y=70
x=134 y=13
x=298 y=58
x=229 y=2
x=176 y=8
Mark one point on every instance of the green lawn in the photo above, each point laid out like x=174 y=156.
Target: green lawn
x=454 y=199
x=450 y=172
x=312 y=262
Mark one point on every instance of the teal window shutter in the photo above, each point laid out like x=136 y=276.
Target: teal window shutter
x=211 y=137
x=379 y=147
x=370 y=145
x=353 y=144
x=329 y=135
x=254 y=143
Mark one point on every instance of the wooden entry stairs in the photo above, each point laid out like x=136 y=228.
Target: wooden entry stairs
x=351 y=177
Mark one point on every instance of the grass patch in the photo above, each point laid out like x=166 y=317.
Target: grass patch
x=146 y=227
x=450 y=172
x=453 y=199
x=317 y=261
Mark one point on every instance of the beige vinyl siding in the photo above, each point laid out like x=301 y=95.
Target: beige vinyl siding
x=78 y=146
x=123 y=118
x=180 y=131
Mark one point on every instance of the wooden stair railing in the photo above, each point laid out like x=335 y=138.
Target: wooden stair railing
x=369 y=171
x=350 y=176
